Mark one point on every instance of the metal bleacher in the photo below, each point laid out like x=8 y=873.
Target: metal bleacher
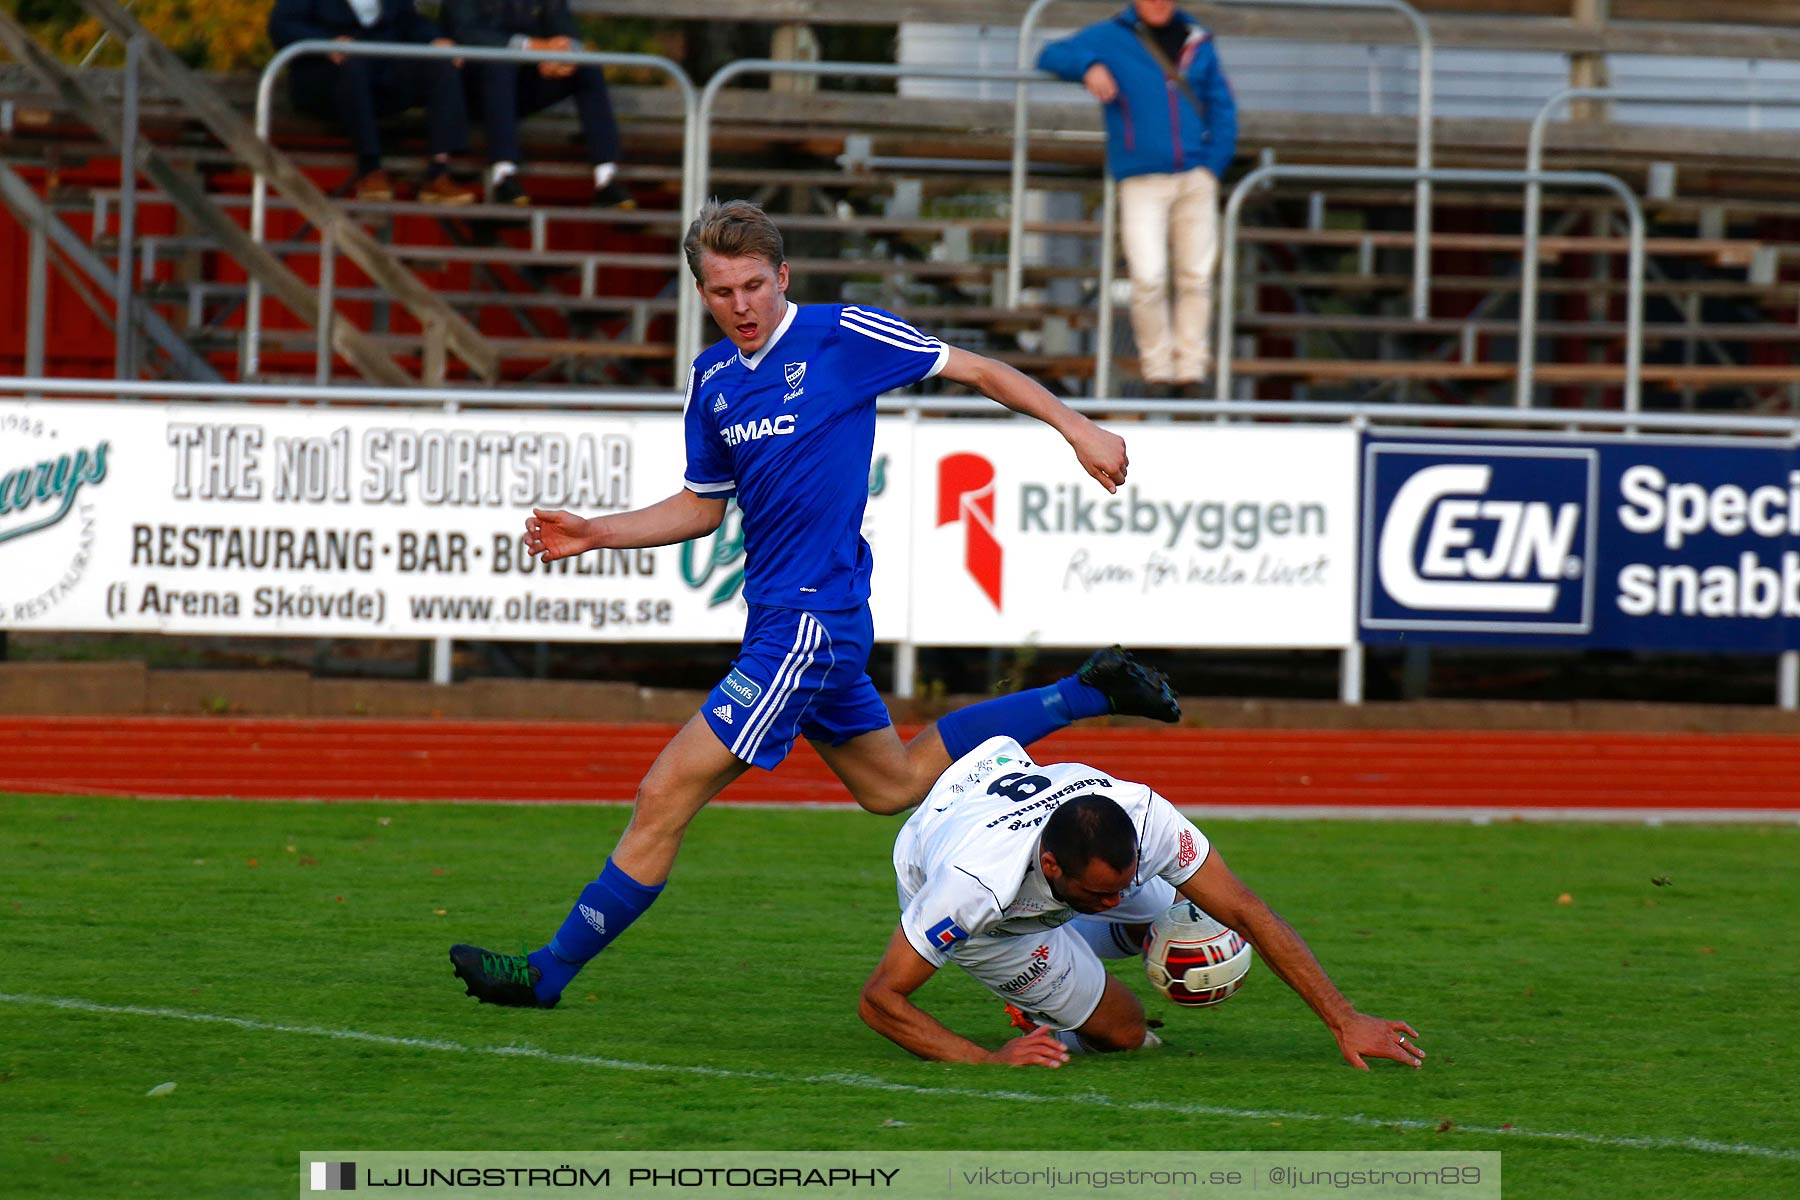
x=907 y=205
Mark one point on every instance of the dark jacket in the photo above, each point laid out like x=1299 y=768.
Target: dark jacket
x=497 y=22
x=297 y=20
x=1152 y=127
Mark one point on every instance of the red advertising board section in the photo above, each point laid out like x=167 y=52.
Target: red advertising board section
x=544 y=761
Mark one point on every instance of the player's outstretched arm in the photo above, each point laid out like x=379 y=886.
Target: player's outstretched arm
x=1215 y=888
x=1101 y=453
x=551 y=535
x=886 y=1008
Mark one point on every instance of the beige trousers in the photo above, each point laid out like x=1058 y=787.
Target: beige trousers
x=1171 y=222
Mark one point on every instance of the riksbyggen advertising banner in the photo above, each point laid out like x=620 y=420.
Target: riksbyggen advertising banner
x=1611 y=542
x=332 y=522
x=1222 y=536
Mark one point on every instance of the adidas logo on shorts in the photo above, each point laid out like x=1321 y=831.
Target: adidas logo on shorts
x=593 y=917
x=723 y=712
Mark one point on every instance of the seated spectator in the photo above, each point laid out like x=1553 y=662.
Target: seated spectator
x=504 y=92
x=357 y=91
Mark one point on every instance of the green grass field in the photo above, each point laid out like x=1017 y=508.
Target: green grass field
x=1638 y=1041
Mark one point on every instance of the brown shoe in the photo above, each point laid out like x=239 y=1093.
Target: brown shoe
x=374 y=186
x=614 y=196
x=441 y=189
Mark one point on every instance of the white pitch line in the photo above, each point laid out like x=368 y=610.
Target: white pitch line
x=877 y=1084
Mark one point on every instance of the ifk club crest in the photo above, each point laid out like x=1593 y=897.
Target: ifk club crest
x=47 y=515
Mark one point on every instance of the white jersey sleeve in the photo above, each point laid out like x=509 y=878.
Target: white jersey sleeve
x=1169 y=845
x=952 y=907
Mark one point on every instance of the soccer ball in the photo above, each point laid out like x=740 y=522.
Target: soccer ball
x=1194 y=960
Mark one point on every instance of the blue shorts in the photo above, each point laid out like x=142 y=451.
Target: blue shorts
x=800 y=674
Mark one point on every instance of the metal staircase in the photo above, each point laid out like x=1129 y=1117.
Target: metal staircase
x=445 y=331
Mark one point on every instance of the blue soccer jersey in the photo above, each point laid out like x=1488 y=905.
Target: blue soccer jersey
x=790 y=431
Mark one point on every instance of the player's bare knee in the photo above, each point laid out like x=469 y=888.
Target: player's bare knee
x=884 y=802
x=885 y=793
x=886 y=797
x=1118 y=1024
x=659 y=813
x=1116 y=1036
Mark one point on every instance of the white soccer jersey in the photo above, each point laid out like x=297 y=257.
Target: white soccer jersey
x=967 y=860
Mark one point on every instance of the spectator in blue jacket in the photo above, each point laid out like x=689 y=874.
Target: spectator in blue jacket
x=504 y=92
x=357 y=91
x=1171 y=130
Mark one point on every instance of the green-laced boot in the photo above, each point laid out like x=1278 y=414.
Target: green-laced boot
x=493 y=978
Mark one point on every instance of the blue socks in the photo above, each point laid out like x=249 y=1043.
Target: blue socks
x=612 y=902
x=1023 y=716
x=606 y=907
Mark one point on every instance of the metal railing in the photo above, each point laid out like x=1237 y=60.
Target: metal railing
x=1534 y=162
x=1422 y=156
x=702 y=157
x=698 y=113
x=1634 y=300
x=124 y=357
x=1328 y=411
x=44 y=231
x=249 y=362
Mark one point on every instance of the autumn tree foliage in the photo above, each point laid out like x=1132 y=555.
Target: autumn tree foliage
x=213 y=35
x=233 y=35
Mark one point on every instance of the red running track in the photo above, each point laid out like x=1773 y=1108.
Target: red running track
x=539 y=761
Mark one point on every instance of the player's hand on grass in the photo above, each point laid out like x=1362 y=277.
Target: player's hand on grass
x=1101 y=453
x=1039 y=1048
x=1376 y=1037
x=556 y=534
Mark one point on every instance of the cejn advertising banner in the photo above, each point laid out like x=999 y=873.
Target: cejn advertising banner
x=1221 y=536
x=1608 y=542
x=333 y=522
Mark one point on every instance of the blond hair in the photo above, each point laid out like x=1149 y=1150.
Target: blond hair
x=732 y=229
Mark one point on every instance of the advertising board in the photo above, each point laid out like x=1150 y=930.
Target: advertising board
x=1609 y=542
